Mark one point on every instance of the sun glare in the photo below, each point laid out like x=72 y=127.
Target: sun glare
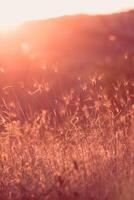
x=7 y=24
x=13 y=12
x=8 y=21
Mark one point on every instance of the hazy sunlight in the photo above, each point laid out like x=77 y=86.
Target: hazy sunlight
x=66 y=99
x=15 y=11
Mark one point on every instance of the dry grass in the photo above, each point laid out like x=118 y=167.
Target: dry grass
x=83 y=150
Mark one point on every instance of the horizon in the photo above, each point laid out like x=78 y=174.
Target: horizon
x=21 y=11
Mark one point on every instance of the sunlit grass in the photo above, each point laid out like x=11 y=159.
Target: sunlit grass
x=82 y=148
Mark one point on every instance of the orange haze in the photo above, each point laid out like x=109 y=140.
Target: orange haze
x=15 y=11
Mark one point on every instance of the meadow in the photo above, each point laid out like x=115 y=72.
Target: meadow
x=81 y=150
x=67 y=113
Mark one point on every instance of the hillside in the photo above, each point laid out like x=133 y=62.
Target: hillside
x=54 y=54
x=70 y=41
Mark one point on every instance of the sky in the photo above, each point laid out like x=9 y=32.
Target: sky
x=15 y=11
